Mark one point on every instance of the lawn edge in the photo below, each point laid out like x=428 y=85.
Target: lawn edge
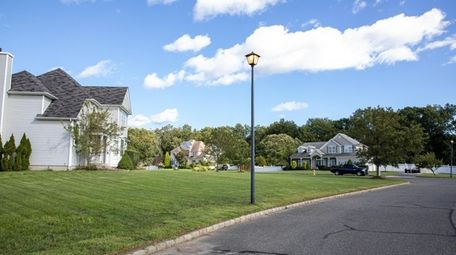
x=151 y=249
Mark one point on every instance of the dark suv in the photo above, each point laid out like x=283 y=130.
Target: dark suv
x=349 y=169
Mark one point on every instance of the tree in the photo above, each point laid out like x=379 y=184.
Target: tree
x=126 y=162
x=170 y=138
x=260 y=161
x=167 y=161
x=1 y=153
x=145 y=142
x=283 y=126
x=439 y=124
x=9 y=151
x=278 y=148
x=388 y=142
x=23 y=152
x=428 y=160
x=92 y=131
x=318 y=129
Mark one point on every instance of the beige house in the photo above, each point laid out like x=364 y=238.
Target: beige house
x=193 y=152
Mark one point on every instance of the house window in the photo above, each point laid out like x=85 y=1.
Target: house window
x=332 y=149
x=123 y=119
x=348 y=149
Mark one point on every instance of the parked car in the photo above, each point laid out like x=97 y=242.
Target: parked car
x=413 y=171
x=349 y=169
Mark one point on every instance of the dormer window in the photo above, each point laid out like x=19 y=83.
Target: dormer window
x=332 y=149
x=348 y=149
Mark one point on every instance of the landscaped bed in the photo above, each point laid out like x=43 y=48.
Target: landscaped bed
x=106 y=212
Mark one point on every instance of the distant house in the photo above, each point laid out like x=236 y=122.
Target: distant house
x=338 y=150
x=41 y=106
x=193 y=152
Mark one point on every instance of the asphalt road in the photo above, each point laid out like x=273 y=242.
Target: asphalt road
x=413 y=219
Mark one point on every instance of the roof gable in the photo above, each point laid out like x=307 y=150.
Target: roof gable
x=69 y=95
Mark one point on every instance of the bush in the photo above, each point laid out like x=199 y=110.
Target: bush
x=294 y=165
x=9 y=150
x=261 y=161
x=200 y=168
x=1 y=153
x=125 y=162
x=167 y=161
x=134 y=156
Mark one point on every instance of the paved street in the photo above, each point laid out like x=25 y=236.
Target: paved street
x=414 y=219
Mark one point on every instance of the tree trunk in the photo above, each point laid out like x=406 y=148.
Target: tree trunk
x=377 y=167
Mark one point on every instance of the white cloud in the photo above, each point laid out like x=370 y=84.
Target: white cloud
x=207 y=9
x=168 y=115
x=187 y=43
x=155 y=2
x=102 y=68
x=452 y=60
x=387 y=41
x=290 y=106
x=311 y=23
x=154 y=82
x=69 y=2
x=358 y=5
x=449 y=41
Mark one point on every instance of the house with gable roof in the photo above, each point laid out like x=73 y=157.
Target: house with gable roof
x=337 y=151
x=42 y=106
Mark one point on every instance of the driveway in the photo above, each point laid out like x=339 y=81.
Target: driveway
x=411 y=219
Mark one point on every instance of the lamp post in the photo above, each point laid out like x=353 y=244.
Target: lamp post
x=252 y=60
x=451 y=161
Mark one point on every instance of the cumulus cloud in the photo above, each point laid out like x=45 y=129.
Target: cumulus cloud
x=155 y=2
x=102 y=68
x=168 y=115
x=387 y=41
x=207 y=9
x=358 y=5
x=187 y=43
x=154 y=82
x=290 y=106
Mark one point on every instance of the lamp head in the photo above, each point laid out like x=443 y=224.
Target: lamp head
x=252 y=58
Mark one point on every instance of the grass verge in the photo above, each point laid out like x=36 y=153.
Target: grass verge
x=106 y=212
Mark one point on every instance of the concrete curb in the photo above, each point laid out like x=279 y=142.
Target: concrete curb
x=151 y=249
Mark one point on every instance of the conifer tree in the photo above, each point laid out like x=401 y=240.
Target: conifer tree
x=8 y=154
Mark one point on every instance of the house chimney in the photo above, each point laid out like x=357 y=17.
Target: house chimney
x=6 y=68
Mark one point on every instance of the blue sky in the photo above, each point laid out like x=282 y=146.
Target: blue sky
x=183 y=60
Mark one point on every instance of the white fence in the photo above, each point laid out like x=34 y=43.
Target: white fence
x=402 y=167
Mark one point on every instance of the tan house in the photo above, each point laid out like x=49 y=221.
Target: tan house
x=192 y=150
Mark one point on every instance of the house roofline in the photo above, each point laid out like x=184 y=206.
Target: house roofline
x=32 y=93
x=54 y=118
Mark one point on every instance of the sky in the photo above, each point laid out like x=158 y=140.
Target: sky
x=184 y=60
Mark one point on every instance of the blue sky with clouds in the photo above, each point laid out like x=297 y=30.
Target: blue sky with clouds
x=183 y=60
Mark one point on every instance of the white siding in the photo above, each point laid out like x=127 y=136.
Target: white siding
x=50 y=141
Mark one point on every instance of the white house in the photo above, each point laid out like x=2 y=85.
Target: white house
x=41 y=106
x=338 y=150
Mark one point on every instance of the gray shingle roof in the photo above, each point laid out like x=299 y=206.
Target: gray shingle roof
x=315 y=144
x=70 y=94
x=27 y=82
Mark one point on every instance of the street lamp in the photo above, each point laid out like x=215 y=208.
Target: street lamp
x=252 y=60
x=451 y=165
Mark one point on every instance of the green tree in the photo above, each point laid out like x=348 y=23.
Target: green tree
x=388 y=142
x=9 y=151
x=92 y=131
x=145 y=142
x=22 y=158
x=1 y=154
x=439 y=124
x=318 y=129
x=278 y=148
x=126 y=162
x=428 y=160
x=28 y=154
x=167 y=161
x=260 y=161
x=170 y=137
x=283 y=126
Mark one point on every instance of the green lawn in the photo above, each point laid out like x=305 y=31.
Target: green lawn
x=107 y=212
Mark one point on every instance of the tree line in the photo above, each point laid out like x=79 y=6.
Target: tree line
x=392 y=136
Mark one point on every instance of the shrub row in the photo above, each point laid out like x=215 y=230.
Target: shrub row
x=14 y=158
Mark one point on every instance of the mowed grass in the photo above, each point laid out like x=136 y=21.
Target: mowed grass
x=107 y=212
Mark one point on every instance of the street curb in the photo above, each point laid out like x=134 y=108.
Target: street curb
x=151 y=249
